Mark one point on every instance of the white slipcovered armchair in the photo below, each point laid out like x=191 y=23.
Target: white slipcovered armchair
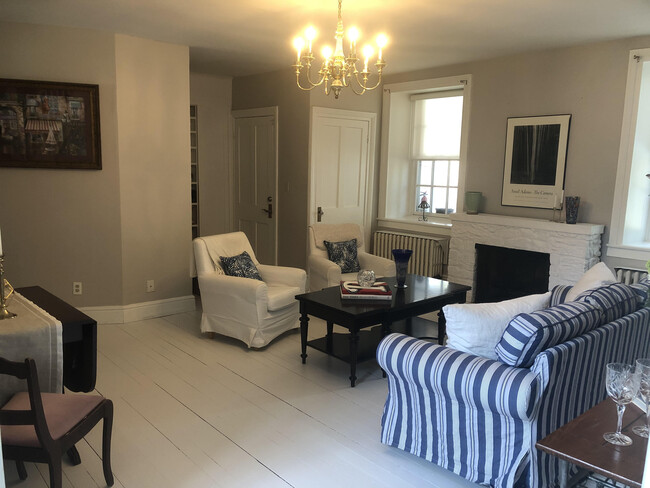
x=323 y=272
x=250 y=310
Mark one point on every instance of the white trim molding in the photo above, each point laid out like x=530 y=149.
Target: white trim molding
x=122 y=314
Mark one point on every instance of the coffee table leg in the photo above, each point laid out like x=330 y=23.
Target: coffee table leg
x=304 y=322
x=330 y=331
x=354 y=344
x=442 y=328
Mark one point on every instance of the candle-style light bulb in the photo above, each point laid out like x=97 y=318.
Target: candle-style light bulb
x=327 y=54
x=382 y=40
x=310 y=35
x=298 y=44
x=353 y=36
x=368 y=51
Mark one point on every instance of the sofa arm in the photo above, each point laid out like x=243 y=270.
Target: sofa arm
x=322 y=272
x=283 y=275
x=382 y=267
x=230 y=296
x=458 y=377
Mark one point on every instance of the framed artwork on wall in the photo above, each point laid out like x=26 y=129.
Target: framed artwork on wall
x=49 y=125
x=535 y=161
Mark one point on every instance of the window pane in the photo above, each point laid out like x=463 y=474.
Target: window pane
x=453 y=172
x=453 y=198
x=439 y=200
x=425 y=172
x=436 y=127
x=440 y=173
x=418 y=197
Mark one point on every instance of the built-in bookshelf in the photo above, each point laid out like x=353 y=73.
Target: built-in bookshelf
x=194 y=162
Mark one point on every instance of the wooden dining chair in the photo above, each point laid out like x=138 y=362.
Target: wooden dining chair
x=41 y=427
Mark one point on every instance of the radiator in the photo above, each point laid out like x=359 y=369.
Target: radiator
x=429 y=252
x=629 y=276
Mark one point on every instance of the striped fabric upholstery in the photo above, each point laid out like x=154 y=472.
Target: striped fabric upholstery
x=558 y=294
x=481 y=418
x=615 y=300
x=642 y=290
x=529 y=333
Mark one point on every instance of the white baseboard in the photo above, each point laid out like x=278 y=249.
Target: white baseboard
x=121 y=314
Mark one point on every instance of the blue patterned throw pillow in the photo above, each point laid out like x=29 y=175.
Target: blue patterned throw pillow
x=530 y=333
x=241 y=266
x=344 y=254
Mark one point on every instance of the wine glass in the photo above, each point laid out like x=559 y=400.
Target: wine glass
x=622 y=385
x=643 y=370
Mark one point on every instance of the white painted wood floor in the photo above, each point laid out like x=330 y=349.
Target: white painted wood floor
x=197 y=412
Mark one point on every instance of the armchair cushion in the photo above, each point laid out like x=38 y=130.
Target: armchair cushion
x=241 y=266
x=280 y=296
x=344 y=254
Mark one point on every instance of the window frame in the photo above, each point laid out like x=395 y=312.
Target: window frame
x=405 y=219
x=617 y=246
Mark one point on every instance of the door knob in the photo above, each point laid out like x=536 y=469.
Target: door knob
x=319 y=214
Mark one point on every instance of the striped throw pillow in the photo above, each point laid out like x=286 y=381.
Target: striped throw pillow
x=642 y=290
x=615 y=300
x=559 y=293
x=530 y=333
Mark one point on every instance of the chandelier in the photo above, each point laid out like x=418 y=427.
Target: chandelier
x=338 y=70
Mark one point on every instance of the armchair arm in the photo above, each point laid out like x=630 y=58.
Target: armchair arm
x=456 y=377
x=230 y=296
x=323 y=271
x=283 y=275
x=381 y=266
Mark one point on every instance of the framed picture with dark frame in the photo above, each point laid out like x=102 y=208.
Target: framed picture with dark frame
x=49 y=125
x=535 y=161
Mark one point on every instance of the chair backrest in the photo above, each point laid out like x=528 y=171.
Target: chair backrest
x=333 y=233
x=35 y=416
x=209 y=249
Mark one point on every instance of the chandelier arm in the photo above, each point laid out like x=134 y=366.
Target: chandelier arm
x=322 y=75
x=364 y=85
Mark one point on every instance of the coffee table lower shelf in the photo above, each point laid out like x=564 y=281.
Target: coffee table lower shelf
x=339 y=346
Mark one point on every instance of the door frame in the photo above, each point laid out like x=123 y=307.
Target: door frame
x=371 y=118
x=252 y=113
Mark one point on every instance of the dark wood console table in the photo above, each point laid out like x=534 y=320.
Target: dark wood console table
x=581 y=442
x=79 y=338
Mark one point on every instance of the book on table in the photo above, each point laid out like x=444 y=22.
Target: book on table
x=350 y=290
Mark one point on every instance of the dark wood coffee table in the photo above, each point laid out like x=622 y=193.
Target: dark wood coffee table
x=422 y=295
x=581 y=442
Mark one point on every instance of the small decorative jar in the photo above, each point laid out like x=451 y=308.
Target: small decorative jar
x=366 y=278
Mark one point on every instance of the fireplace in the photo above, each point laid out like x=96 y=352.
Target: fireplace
x=572 y=249
x=503 y=273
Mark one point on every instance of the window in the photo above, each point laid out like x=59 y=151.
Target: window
x=630 y=229
x=424 y=139
x=435 y=149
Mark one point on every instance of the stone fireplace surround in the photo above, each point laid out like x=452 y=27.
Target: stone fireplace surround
x=573 y=249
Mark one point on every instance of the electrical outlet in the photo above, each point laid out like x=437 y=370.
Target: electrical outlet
x=77 y=288
x=150 y=286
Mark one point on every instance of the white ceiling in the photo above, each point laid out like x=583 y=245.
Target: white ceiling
x=254 y=36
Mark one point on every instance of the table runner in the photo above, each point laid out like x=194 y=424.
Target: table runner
x=36 y=334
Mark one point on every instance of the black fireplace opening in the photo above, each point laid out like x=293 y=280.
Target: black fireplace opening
x=503 y=273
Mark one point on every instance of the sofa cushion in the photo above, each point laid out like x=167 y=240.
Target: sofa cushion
x=596 y=276
x=281 y=296
x=241 y=266
x=558 y=294
x=615 y=300
x=642 y=290
x=477 y=327
x=344 y=254
x=530 y=333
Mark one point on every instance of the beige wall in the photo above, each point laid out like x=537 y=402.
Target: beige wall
x=60 y=226
x=278 y=89
x=587 y=82
x=111 y=229
x=154 y=153
x=213 y=97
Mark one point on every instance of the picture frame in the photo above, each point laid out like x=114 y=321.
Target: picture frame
x=535 y=161
x=47 y=124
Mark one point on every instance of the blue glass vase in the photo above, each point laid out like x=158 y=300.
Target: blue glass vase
x=402 y=257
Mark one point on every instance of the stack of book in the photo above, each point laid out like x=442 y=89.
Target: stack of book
x=350 y=290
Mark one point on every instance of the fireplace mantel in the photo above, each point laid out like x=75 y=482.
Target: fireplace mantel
x=573 y=249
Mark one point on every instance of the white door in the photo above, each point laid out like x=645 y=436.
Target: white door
x=255 y=172
x=341 y=169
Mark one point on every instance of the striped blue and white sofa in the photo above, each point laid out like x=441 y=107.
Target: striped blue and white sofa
x=481 y=418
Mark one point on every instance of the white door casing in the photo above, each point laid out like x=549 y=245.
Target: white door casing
x=255 y=161
x=341 y=169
